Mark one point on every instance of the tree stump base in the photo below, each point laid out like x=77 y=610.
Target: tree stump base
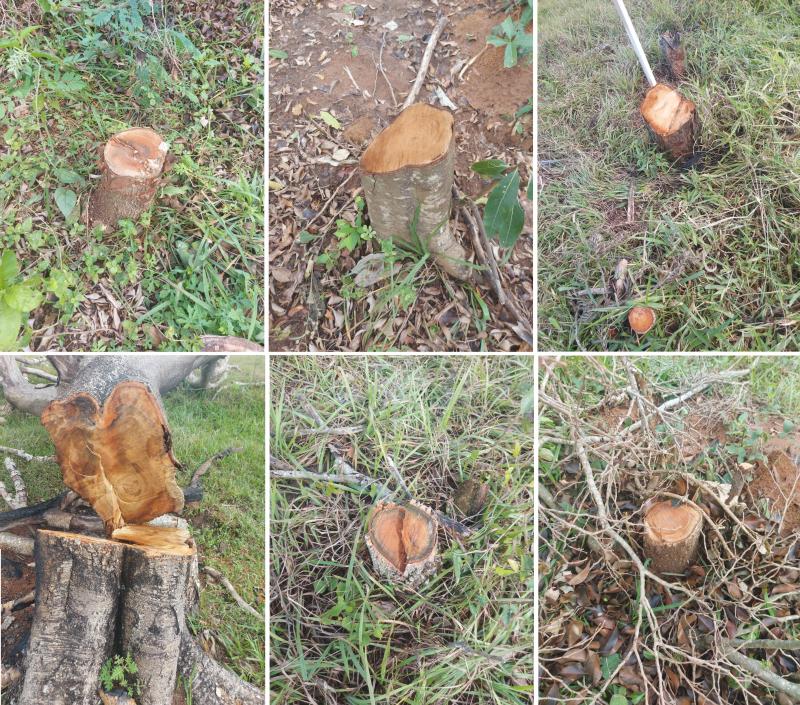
x=130 y=171
x=672 y=120
x=407 y=176
x=403 y=542
x=671 y=536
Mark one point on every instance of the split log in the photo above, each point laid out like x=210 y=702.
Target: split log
x=152 y=609
x=403 y=542
x=407 y=176
x=672 y=120
x=113 y=444
x=130 y=171
x=671 y=536
x=77 y=589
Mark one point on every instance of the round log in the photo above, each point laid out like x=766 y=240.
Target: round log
x=671 y=536
x=402 y=541
x=130 y=170
x=672 y=119
x=407 y=176
x=152 y=606
x=77 y=588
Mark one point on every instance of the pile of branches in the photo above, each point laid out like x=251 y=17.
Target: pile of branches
x=611 y=630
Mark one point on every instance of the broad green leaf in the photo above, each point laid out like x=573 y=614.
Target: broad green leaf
x=530 y=190
x=608 y=664
x=278 y=54
x=66 y=176
x=10 y=322
x=503 y=216
x=8 y=268
x=510 y=56
x=305 y=237
x=184 y=43
x=22 y=297
x=618 y=700
x=508 y=27
x=328 y=119
x=65 y=200
x=493 y=168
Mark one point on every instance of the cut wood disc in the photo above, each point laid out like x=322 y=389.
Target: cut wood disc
x=672 y=119
x=118 y=457
x=137 y=153
x=402 y=541
x=672 y=532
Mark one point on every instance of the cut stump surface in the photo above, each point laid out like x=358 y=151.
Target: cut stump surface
x=671 y=536
x=672 y=119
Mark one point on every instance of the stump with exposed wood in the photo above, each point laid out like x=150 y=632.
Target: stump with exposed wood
x=672 y=120
x=402 y=542
x=671 y=536
x=130 y=171
x=407 y=176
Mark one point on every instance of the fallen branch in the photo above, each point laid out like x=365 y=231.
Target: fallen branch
x=20 y=602
x=203 y=468
x=20 y=497
x=754 y=667
x=222 y=580
x=41 y=374
x=426 y=60
x=15 y=516
x=17 y=544
x=27 y=456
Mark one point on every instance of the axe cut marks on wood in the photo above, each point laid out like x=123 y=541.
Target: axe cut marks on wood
x=130 y=169
x=402 y=541
x=118 y=457
x=156 y=539
x=672 y=120
x=407 y=176
x=671 y=536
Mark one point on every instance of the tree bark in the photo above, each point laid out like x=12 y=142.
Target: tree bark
x=672 y=120
x=402 y=542
x=152 y=618
x=671 y=536
x=77 y=588
x=130 y=171
x=407 y=176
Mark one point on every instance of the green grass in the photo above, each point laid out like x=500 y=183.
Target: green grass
x=228 y=524
x=336 y=629
x=713 y=250
x=70 y=78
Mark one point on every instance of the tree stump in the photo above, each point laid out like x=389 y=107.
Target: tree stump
x=407 y=176
x=671 y=536
x=403 y=542
x=74 y=620
x=130 y=171
x=114 y=447
x=672 y=119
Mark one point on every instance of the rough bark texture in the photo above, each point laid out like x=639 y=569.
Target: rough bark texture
x=409 y=167
x=211 y=683
x=130 y=171
x=402 y=541
x=114 y=448
x=152 y=618
x=671 y=536
x=77 y=588
x=672 y=120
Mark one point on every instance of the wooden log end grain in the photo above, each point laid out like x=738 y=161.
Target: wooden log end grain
x=672 y=119
x=130 y=170
x=403 y=543
x=407 y=176
x=671 y=536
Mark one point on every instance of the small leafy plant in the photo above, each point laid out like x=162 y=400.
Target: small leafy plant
x=511 y=34
x=351 y=235
x=17 y=297
x=120 y=672
x=503 y=215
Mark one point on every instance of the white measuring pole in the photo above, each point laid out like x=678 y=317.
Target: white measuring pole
x=637 y=45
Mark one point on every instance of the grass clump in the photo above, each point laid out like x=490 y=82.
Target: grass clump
x=338 y=632
x=713 y=248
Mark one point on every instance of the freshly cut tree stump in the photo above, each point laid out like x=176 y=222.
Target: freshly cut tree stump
x=672 y=119
x=152 y=610
x=409 y=167
x=403 y=542
x=130 y=170
x=77 y=590
x=671 y=536
x=114 y=446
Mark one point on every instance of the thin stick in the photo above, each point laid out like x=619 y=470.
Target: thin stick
x=20 y=497
x=472 y=61
x=203 y=469
x=34 y=372
x=383 y=73
x=330 y=200
x=20 y=602
x=426 y=60
x=26 y=456
x=771 y=679
x=222 y=580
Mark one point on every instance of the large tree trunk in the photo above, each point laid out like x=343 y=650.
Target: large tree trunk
x=77 y=590
x=130 y=171
x=407 y=176
x=672 y=119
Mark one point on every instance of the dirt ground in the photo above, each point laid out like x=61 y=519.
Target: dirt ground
x=358 y=62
